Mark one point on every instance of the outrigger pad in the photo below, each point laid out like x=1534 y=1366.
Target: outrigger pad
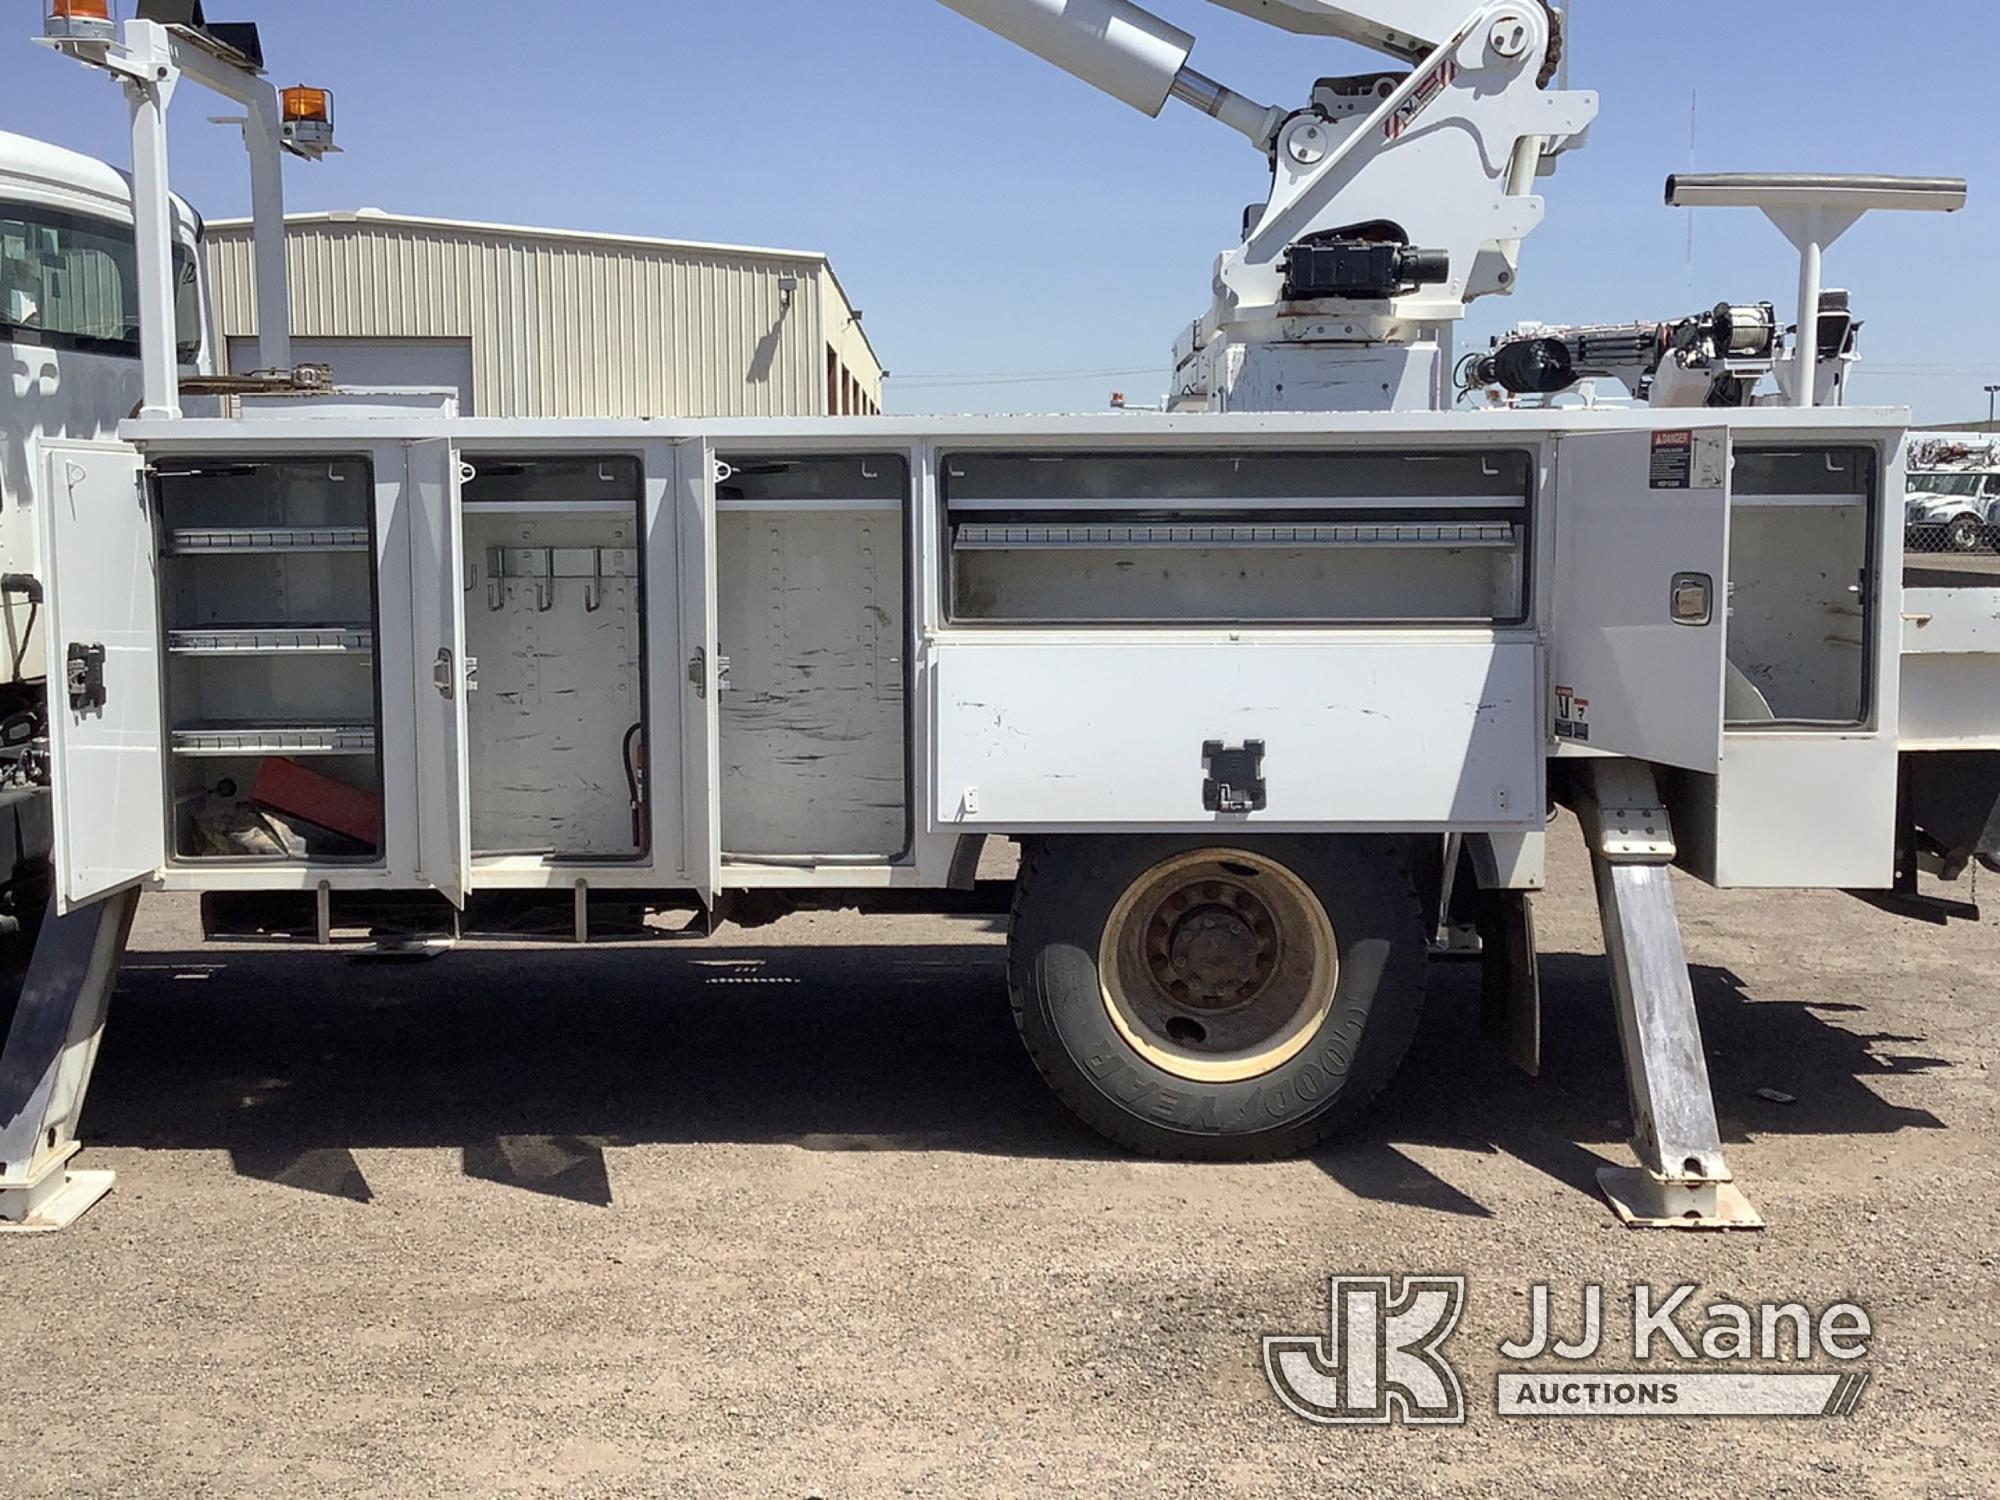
x=1643 y=1201
x=55 y=1204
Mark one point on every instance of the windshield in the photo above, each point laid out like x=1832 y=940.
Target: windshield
x=69 y=281
x=1945 y=484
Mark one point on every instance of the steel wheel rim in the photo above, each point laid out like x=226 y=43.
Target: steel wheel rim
x=1218 y=966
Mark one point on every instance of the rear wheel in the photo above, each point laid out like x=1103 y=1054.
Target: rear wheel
x=1192 y=997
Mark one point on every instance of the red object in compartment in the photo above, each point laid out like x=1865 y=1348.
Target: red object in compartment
x=287 y=787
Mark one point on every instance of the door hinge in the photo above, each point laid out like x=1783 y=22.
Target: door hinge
x=699 y=677
x=84 y=674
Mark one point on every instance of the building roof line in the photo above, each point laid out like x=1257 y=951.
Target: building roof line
x=528 y=231
x=365 y=216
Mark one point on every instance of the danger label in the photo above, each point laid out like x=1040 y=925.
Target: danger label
x=1673 y=461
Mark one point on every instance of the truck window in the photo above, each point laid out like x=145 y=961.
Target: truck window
x=1951 y=484
x=70 y=281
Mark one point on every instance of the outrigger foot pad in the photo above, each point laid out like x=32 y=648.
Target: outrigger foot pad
x=1643 y=1201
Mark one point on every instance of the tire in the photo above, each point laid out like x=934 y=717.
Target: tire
x=1332 y=999
x=1964 y=534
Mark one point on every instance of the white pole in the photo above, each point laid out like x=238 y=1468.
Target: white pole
x=261 y=136
x=153 y=226
x=1805 y=359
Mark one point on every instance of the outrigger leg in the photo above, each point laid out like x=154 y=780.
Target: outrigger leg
x=1682 y=1181
x=46 y=1065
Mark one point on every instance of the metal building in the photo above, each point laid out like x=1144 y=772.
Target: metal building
x=558 y=323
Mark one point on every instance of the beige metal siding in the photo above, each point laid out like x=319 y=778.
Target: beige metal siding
x=562 y=326
x=851 y=362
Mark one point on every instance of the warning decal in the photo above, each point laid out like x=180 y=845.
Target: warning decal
x=1673 y=461
x=1572 y=716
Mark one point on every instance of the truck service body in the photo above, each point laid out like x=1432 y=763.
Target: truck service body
x=1271 y=699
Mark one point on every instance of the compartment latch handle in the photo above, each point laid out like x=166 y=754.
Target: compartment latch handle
x=83 y=673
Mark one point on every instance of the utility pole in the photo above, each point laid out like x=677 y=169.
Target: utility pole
x=1992 y=395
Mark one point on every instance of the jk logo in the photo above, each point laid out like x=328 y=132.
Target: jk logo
x=1380 y=1362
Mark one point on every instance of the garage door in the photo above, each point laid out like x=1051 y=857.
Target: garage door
x=435 y=363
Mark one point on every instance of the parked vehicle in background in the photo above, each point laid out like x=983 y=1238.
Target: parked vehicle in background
x=1952 y=495
x=1957 y=512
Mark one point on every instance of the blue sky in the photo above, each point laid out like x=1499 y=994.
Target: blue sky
x=1001 y=223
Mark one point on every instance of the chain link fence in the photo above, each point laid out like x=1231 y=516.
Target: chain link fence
x=1967 y=534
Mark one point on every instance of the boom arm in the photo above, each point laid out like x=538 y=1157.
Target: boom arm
x=1396 y=198
x=1129 y=53
x=1409 y=29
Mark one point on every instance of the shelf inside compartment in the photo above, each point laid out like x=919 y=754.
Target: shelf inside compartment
x=277 y=640
x=1187 y=569
x=1024 y=536
x=237 y=540
x=239 y=739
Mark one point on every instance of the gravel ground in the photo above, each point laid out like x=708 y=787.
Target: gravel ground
x=788 y=1213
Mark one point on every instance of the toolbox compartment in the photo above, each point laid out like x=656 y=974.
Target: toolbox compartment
x=269 y=619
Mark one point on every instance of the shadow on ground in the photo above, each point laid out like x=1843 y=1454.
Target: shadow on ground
x=530 y=1068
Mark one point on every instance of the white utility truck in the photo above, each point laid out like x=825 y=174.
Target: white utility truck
x=1269 y=698
x=1953 y=498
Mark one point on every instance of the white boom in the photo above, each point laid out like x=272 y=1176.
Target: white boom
x=1129 y=53
x=1396 y=198
x=1408 y=28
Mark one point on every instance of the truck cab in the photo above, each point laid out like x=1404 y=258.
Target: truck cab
x=69 y=321
x=1955 y=510
x=69 y=335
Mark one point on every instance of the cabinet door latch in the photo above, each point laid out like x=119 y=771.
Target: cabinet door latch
x=1235 y=781
x=444 y=674
x=83 y=671
x=701 y=679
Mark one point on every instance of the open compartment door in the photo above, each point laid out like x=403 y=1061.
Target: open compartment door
x=1641 y=593
x=443 y=675
x=107 y=760
x=705 y=670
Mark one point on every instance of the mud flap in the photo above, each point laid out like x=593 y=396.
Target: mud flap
x=1510 y=981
